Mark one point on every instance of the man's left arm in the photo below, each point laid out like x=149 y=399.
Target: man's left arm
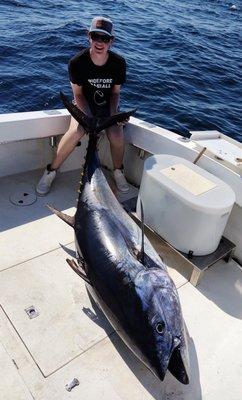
x=114 y=99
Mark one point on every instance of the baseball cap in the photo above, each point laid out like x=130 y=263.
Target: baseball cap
x=102 y=25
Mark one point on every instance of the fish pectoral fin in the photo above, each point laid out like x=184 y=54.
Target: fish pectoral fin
x=78 y=271
x=66 y=218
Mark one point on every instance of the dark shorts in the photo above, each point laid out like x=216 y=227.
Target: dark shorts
x=100 y=112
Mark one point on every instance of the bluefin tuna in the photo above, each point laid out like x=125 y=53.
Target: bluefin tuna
x=122 y=271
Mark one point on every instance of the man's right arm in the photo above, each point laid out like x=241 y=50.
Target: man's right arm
x=80 y=99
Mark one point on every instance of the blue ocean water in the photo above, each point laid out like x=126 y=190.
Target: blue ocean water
x=184 y=57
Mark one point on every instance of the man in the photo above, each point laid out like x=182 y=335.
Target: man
x=96 y=76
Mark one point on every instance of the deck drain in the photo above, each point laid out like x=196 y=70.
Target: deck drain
x=23 y=195
x=32 y=312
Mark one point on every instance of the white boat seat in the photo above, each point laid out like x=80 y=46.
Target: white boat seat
x=221 y=146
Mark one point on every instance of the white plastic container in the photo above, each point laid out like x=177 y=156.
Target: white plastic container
x=186 y=205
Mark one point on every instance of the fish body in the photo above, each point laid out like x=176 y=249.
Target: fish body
x=138 y=297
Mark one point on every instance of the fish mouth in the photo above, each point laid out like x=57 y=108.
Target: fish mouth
x=159 y=374
x=177 y=366
x=176 y=362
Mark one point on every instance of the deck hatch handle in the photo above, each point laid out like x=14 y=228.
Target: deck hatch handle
x=69 y=386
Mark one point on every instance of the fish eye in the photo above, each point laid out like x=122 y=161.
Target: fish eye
x=160 y=327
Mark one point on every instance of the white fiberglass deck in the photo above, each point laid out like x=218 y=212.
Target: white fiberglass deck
x=69 y=339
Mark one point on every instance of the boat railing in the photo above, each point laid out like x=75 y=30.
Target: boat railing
x=16 y=127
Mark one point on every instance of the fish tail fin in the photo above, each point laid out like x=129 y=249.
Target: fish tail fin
x=66 y=218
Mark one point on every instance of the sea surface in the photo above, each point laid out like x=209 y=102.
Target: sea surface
x=184 y=57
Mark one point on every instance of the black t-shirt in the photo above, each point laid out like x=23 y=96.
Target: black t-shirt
x=97 y=81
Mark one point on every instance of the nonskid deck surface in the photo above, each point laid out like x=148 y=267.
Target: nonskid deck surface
x=70 y=339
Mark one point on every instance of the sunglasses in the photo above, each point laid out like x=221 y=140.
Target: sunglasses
x=100 y=38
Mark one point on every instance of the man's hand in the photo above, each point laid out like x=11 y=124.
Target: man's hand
x=80 y=100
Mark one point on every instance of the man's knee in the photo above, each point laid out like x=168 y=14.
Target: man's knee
x=76 y=132
x=80 y=132
x=75 y=129
x=115 y=134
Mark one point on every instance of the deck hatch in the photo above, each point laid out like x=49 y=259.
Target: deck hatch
x=62 y=331
x=23 y=195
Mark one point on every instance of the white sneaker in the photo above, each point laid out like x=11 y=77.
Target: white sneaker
x=120 y=181
x=45 y=182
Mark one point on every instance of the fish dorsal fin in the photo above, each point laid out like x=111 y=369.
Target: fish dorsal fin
x=66 y=218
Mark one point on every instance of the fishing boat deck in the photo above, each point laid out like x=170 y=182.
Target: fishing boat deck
x=68 y=338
